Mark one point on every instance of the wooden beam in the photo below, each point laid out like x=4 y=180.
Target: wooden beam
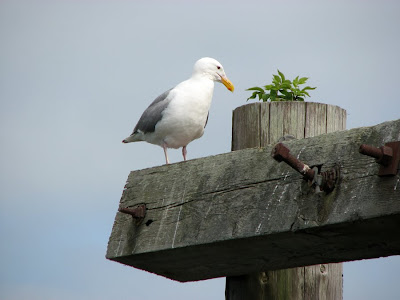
x=243 y=212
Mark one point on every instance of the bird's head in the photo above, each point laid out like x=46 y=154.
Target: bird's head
x=214 y=70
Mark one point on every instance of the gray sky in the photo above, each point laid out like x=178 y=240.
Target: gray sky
x=75 y=77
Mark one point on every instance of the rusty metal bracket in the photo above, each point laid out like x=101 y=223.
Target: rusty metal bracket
x=388 y=156
x=322 y=181
x=138 y=212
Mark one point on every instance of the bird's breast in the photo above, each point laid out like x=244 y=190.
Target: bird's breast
x=185 y=117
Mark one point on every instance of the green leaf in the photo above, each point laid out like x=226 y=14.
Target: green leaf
x=288 y=97
x=275 y=88
x=308 y=88
x=300 y=99
x=303 y=80
x=265 y=97
x=296 y=81
x=256 y=88
x=277 y=79
x=268 y=87
x=284 y=92
x=252 y=96
x=273 y=95
x=287 y=81
x=282 y=76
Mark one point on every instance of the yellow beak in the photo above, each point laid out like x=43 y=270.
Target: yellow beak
x=226 y=82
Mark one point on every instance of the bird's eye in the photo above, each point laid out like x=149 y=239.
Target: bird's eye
x=218 y=67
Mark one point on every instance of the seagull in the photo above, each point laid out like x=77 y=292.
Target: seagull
x=179 y=115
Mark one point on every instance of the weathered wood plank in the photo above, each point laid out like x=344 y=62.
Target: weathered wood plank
x=247 y=121
x=292 y=283
x=286 y=118
x=315 y=119
x=264 y=128
x=266 y=215
x=323 y=282
x=285 y=284
x=335 y=119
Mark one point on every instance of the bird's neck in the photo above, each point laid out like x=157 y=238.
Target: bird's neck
x=202 y=76
x=203 y=82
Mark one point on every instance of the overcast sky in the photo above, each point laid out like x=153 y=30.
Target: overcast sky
x=75 y=77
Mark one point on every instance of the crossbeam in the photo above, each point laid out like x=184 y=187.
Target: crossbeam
x=244 y=212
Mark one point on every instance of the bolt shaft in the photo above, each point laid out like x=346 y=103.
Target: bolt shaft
x=282 y=153
x=138 y=212
x=371 y=151
x=383 y=154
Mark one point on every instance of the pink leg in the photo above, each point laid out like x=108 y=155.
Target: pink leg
x=165 y=153
x=184 y=152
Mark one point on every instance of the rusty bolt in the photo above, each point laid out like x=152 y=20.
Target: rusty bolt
x=329 y=179
x=382 y=154
x=282 y=153
x=388 y=156
x=138 y=212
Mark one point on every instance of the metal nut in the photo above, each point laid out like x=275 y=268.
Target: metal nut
x=387 y=154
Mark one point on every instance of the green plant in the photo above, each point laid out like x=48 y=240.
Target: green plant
x=282 y=89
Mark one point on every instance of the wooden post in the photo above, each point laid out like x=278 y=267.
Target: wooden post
x=260 y=124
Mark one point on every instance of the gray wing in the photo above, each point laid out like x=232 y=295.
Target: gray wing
x=153 y=114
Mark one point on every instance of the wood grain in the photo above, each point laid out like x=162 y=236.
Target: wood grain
x=300 y=119
x=243 y=212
